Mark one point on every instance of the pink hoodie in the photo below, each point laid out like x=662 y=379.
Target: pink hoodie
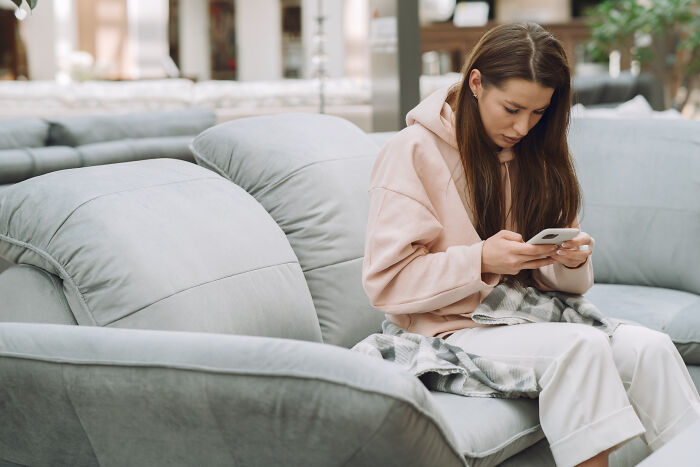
x=422 y=263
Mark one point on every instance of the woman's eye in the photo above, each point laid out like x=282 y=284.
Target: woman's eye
x=511 y=111
x=538 y=112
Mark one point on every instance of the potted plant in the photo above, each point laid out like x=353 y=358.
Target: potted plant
x=662 y=35
x=31 y=3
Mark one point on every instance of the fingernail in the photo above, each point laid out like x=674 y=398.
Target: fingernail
x=565 y=245
x=561 y=252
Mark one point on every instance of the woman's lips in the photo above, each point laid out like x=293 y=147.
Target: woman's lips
x=511 y=140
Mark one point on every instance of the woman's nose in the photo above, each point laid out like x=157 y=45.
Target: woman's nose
x=521 y=125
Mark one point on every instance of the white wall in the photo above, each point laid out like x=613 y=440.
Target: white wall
x=195 y=50
x=259 y=38
x=148 y=37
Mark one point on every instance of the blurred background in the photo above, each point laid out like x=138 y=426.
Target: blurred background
x=369 y=61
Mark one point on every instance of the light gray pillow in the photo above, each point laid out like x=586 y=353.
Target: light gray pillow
x=641 y=191
x=76 y=130
x=311 y=173
x=159 y=244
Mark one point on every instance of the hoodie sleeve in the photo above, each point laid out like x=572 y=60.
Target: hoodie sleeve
x=560 y=278
x=399 y=273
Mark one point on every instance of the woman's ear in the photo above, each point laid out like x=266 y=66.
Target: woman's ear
x=475 y=82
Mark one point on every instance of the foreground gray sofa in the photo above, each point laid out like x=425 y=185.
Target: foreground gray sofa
x=215 y=304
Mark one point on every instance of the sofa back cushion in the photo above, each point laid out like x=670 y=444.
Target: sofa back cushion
x=311 y=173
x=78 y=130
x=23 y=132
x=641 y=187
x=159 y=244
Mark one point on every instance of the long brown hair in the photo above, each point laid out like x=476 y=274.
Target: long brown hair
x=546 y=192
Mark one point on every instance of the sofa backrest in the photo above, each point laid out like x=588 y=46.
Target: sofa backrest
x=78 y=130
x=641 y=188
x=23 y=132
x=158 y=244
x=31 y=146
x=311 y=173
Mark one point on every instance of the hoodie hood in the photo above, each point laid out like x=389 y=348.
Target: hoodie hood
x=436 y=115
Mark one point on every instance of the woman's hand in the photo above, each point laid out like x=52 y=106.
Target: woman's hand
x=575 y=252
x=507 y=253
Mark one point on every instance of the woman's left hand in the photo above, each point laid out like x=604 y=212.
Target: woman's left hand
x=575 y=252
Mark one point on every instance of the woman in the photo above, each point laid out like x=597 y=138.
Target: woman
x=481 y=167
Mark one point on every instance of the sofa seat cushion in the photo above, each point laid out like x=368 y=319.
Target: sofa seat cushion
x=159 y=244
x=311 y=173
x=490 y=430
x=674 y=312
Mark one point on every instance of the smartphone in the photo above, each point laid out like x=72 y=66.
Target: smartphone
x=553 y=236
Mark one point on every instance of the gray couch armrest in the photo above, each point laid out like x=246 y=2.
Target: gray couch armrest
x=78 y=395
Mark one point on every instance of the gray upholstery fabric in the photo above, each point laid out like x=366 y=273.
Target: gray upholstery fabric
x=78 y=130
x=20 y=164
x=311 y=173
x=641 y=191
x=4 y=264
x=671 y=311
x=32 y=295
x=88 y=396
x=490 y=430
x=110 y=152
x=23 y=132
x=159 y=244
x=597 y=90
x=694 y=371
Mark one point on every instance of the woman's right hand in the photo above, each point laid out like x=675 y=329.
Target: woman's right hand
x=507 y=253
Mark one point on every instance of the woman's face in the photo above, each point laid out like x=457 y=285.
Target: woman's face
x=509 y=112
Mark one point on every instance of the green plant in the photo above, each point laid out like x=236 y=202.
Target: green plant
x=31 y=3
x=663 y=35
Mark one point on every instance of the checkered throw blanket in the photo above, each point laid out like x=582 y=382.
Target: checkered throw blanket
x=448 y=368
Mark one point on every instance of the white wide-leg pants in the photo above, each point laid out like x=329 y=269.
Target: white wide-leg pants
x=597 y=392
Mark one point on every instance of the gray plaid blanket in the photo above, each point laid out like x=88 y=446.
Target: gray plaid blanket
x=448 y=368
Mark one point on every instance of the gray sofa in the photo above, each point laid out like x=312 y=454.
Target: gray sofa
x=32 y=146
x=215 y=304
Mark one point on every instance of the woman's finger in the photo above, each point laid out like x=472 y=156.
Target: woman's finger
x=537 y=263
x=578 y=241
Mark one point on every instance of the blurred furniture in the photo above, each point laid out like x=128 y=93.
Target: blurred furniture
x=32 y=146
x=681 y=450
x=604 y=90
x=459 y=41
x=229 y=100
